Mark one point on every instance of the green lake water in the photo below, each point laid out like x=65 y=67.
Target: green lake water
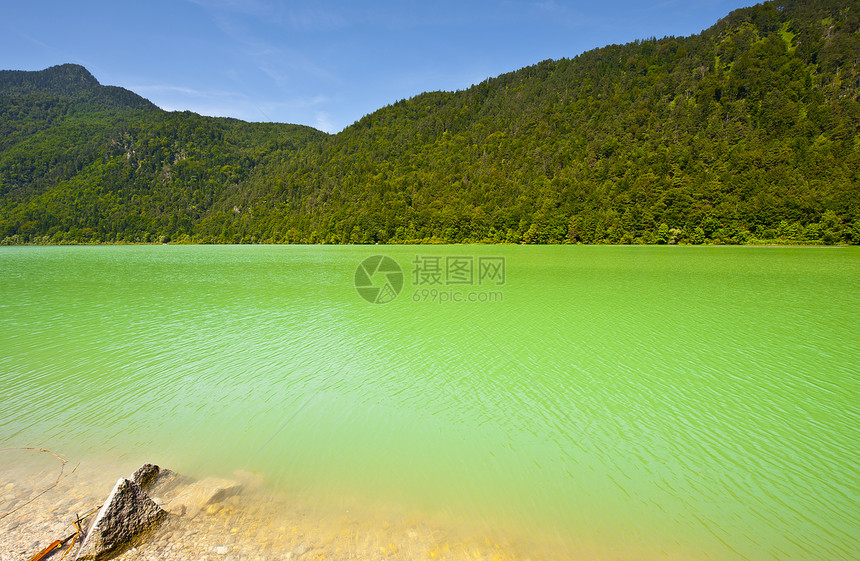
x=614 y=402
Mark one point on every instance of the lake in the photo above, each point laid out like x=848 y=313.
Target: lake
x=607 y=402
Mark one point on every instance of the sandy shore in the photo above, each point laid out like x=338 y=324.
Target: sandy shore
x=258 y=524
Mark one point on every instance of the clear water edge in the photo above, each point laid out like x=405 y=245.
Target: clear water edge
x=642 y=402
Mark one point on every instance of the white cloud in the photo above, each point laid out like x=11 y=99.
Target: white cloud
x=323 y=122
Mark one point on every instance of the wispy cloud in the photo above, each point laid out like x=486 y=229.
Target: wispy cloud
x=258 y=8
x=315 y=19
x=277 y=60
x=172 y=97
x=164 y=89
x=562 y=14
x=302 y=18
x=37 y=42
x=286 y=66
x=240 y=105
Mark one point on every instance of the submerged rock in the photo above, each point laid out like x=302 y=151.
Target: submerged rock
x=166 y=482
x=193 y=498
x=127 y=513
x=250 y=481
x=145 y=475
x=156 y=481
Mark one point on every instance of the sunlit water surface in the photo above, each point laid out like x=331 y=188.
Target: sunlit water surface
x=608 y=402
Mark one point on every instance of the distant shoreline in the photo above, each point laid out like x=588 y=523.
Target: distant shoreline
x=437 y=243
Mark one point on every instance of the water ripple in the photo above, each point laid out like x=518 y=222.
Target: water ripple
x=635 y=402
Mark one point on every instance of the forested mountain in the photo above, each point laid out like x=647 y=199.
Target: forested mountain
x=80 y=162
x=747 y=132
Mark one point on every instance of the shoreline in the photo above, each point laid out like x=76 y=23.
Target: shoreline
x=434 y=243
x=257 y=524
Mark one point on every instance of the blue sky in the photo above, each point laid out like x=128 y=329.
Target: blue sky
x=321 y=63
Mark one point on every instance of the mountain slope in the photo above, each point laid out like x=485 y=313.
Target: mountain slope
x=85 y=162
x=746 y=132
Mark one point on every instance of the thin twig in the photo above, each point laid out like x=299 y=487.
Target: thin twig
x=60 y=475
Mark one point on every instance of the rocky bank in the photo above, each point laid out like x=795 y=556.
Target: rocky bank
x=215 y=519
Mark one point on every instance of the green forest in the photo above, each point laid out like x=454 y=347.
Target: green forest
x=744 y=133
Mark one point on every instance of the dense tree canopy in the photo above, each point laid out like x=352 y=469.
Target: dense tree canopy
x=747 y=132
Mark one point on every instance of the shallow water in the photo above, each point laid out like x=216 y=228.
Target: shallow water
x=634 y=402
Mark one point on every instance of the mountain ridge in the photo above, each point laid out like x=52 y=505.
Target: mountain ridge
x=744 y=133
x=70 y=81
x=55 y=79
